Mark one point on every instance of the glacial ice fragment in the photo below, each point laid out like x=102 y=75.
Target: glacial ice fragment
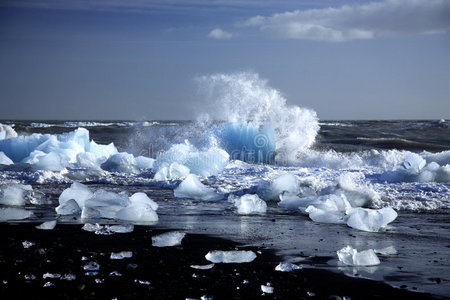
x=6 y=132
x=390 y=250
x=69 y=207
x=250 y=204
x=143 y=162
x=27 y=244
x=121 y=162
x=121 y=255
x=371 y=220
x=168 y=239
x=51 y=275
x=91 y=266
x=121 y=228
x=238 y=256
x=49 y=225
x=287 y=267
x=14 y=193
x=5 y=160
x=283 y=183
x=12 y=213
x=77 y=191
x=202 y=267
x=137 y=212
x=352 y=257
x=267 y=289
x=191 y=187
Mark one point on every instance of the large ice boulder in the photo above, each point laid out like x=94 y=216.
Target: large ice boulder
x=168 y=239
x=371 y=220
x=203 y=163
x=192 y=188
x=121 y=162
x=14 y=194
x=250 y=204
x=352 y=257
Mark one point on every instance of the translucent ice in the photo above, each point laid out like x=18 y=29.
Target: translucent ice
x=92 y=227
x=122 y=228
x=202 y=267
x=143 y=162
x=390 y=250
x=371 y=220
x=284 y=183
x=91 y=266
x=5 y=160
x=173 y=171
x=27 y=244
x=69 y=207
x=50 y=225
x=352 y=257
x=168 y=239
x=239 y=256
x=250 y=204
x=121 y=162
x=12 y=213
x=287 y=267
x=51 y=275
x=121 y=255
x=191 y=187
x=77 y=191
x=267 y=289
x=6 y=132
x=139 y=212
x=13 y=194
x=325 y=216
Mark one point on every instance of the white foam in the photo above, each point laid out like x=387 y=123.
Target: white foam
x=352 y=257
x=168 y=239
x=238 y=256
x=192 y=188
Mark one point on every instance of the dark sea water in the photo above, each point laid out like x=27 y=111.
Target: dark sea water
x=405 y=164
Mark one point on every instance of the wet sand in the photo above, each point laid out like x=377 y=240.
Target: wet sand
x=158 y=273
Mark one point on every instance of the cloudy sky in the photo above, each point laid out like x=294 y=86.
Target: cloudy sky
x=137 y=59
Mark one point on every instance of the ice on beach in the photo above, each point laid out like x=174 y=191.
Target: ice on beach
x=27 y=244
x=202 y=267
x=174 y=171
x=352 y=257
x=13 y=213
x=69 y=277
x=267 y=289
x=168 y=239
x=192 y=188
x=371 y=220
x=121 y=162
x=14 y=193
x=69 y=207
x=49 y=225
x=6 y=132
x=121 y=255
x=202 y=163
x=121 y=228
x=238 y=256
x=390 y=250
x=91 y=266
x=78 y=192
x=92 y=227
x=284 y=183
x=287 y=267
x=5 y=160
x=250 y=204
x=51 y=275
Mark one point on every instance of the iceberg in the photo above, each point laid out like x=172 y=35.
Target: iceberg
x=352 y=257
x=371 y=220
x=14 y=193
x=50 y=225
x=250 y=204
x=192 y=188
x=238 y=256
x=168 y=239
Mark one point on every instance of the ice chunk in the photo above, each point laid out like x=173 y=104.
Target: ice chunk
x=206 y=163
x=370 y=219
x=191 y=187
x=12 y=213
x=202 y=267
x=121 y=162
x=121 y=255
x=250 y=204
x=142 y=198
x=168 y=239
x=69 y=207
x=27 y=244
x=287 y=267
x=239 y=256
x=51 y=275
x=284 y=183
x=325 y=216
x=177 y=170
x=50 y=225
x=88 y=160
x=291 y=201
x=352 y=257
x=121 y=228
x=91 y=266
x=77 y=191
x=92 y=227
x=267 y=288
x=13 y=194
x=386 y=251
x=69 y=277
x=107 y=204
x=139 y=212
x=6 y=132
x=90 y=213
x=5 y=160
x=143 y=162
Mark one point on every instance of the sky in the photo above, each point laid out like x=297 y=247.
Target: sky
x=138 y=59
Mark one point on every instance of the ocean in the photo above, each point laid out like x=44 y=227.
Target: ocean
x=399 y=164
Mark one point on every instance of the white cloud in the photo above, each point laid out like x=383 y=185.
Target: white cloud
x=359 y=21
x=220 y=34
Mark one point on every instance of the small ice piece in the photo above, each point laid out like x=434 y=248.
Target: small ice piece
x=77 y=191
x=99 y=280
x=69 y=207
x=121 y=162
x=121 y=228
x=250 y=204
x=138 y=212
x=115 y=274
x=27 y=244
x=267 y=289
x=91 y=266
x=49 y=225
x=13 y=194
x=48 y=284
x=239 y=256
x=192 y=188
x=69 y=277
x=310 y=294
x=202 y=267
x=143 y=282
x=287 y=267
x=121 y=255
x=168 y=239
x=352 y=257
x=92 y=227
x=371 y=220
x=386 y=251
x=12 y=213
x=29 y=277
x=51 y=275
